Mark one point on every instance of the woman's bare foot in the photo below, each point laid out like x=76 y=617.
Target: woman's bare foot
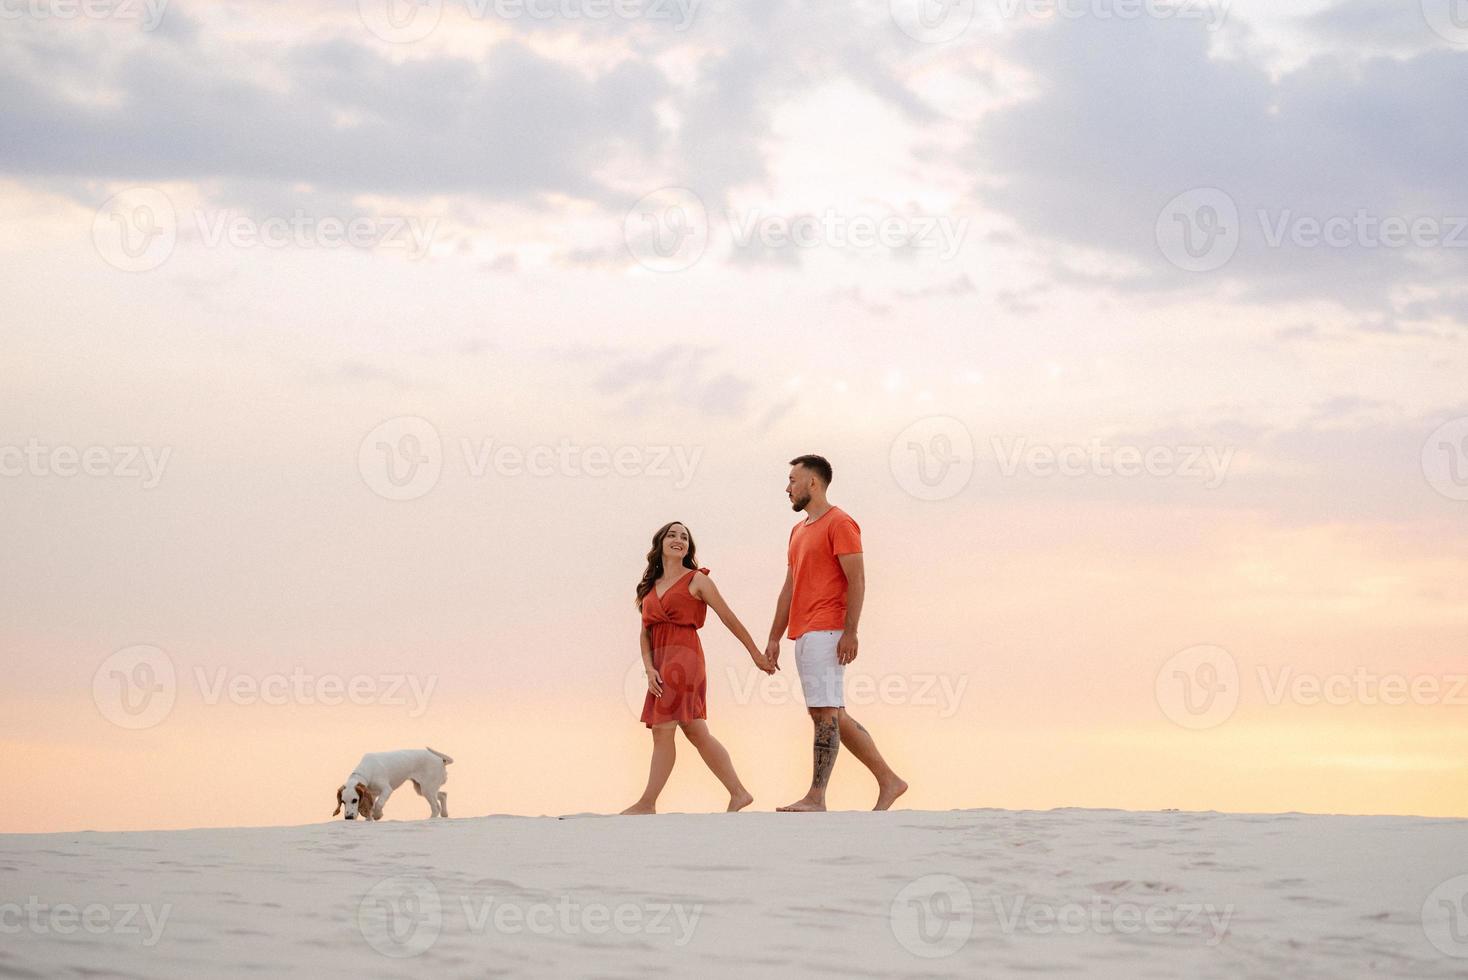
x=887 y=793
x=739 y=802
x=804 y=805
x=638 y=809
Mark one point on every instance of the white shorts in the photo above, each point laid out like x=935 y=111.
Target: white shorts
x=822 y=679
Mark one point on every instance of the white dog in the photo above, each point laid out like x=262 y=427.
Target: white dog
x=379 y=773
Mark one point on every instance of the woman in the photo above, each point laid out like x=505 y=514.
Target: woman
x=673 y=596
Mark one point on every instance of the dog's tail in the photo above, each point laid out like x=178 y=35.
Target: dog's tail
x=436 y=752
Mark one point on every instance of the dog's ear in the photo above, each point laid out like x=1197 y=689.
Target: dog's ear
x=339 y=802
x=368 y=801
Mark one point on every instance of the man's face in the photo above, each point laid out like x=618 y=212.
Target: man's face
x=798 y=489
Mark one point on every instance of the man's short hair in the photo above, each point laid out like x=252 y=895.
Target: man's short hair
x=818 y=465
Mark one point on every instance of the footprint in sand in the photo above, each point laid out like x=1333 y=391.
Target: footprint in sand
x=1314 y=901
x=1128 y=886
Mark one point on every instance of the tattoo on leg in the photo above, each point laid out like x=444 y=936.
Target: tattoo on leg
x=828 y=742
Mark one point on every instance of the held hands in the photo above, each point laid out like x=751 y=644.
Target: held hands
x=762 y=662
x=846 y=647
x=772 y=653
x=654 y=683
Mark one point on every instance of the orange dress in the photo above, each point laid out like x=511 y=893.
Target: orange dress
x=675 y=619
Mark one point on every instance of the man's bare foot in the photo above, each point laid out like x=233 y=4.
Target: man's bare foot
x=737 y=803
x=806 y=805
x=887 y=793
x=638 y=809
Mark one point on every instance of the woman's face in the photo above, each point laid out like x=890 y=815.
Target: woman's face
x=675 y=546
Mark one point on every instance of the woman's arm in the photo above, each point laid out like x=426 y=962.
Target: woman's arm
x=654 y=679
x=703 y=587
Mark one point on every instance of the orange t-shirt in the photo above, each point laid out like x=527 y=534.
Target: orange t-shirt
x=818 y=601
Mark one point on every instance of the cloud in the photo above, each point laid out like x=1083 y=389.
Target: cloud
x=676 y=376
x=259 y=115
x=1130 y=114
x=765 y=56
x=1298 y=331
x=960 y=285
x=1346 y=407
x=355 y=371
x=724 y=119
x=774 y=414
x=1373 y=25
x=757 y=252
x=1448 y=305
x=1346 y=460
x=337 y=116
x=856 y=296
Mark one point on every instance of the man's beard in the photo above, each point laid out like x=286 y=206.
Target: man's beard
x=799 y=503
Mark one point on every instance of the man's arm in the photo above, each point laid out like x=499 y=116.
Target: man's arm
x=856 y=590
x=782 y=618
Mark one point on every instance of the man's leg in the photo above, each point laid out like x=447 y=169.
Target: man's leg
x=822 y=680
x=859 y=741
x=827 y=744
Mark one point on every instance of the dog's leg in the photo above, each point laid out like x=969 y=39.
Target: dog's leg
x=381 y=802
x=427 y=794
x=443 y=804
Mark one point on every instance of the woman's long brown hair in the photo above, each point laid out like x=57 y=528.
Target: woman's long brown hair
x=655 y=560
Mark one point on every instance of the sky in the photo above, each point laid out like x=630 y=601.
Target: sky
x=353 y=352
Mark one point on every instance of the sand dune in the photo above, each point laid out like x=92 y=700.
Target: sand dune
x=975 y=893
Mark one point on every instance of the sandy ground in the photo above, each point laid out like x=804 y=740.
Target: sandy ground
x=976 y=893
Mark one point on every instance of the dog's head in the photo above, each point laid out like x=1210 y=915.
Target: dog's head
x=358 y=800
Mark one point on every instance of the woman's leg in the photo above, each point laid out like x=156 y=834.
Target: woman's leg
x=663 y=753
x=716 y=757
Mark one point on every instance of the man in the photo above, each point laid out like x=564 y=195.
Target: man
x=821 y=603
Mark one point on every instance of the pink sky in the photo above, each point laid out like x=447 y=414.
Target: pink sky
x=1294 y=417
